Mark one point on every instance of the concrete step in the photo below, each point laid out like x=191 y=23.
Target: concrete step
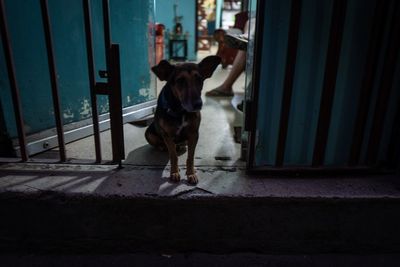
x=108 y=211
x=200 y=260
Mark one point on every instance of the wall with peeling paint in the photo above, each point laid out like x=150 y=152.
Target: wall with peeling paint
x=131 y=22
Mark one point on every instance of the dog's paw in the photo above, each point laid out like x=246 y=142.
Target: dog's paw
x=175 y=177
x=192 y=178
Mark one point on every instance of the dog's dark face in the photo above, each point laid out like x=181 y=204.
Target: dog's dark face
x=186 y=80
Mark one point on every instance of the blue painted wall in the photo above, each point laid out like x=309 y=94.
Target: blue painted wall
x=186 y=8
x=131 y=28
x=308 y=80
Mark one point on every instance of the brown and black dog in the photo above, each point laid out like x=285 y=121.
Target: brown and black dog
x=177 y=117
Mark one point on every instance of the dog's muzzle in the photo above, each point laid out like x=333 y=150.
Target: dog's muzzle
x=193 y=107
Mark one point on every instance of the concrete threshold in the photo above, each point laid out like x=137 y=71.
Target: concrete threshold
x=214 y=181
x=84 y=208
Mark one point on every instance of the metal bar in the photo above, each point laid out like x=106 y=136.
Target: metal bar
x=252 y=117
x=13 y=82
x=92 y=79
x=114 y=80
x=110 y=78
x=107 y=31
x=53 y=78
x=116 y=120
x=385 y=86
x=331 y=68
x=375 y=43
x=288 y=82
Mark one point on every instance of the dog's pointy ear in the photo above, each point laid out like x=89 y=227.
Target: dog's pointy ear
x=163 y=70
x=208 y=65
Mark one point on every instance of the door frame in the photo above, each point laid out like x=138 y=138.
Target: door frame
x=251 y=103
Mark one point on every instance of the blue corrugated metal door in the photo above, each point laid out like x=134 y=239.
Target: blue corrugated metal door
x=326 y=86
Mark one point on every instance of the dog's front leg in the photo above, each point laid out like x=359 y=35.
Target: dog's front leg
x=190 y=171
x=174 y=174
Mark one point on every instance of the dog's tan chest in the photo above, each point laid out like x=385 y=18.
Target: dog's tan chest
x=183 y=124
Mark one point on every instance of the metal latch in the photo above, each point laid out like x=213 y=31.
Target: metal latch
x=103 y=74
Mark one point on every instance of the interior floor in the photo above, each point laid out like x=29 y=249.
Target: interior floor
x=216 y=145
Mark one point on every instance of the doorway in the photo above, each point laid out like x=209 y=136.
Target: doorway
x=217 y=145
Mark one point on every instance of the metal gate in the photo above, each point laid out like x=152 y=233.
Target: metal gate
x=110 y=86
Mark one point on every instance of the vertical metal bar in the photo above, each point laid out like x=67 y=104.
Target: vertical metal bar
x=114 y=80
x=116 y=121
x=385 y=86
x=251 y=117
x=288 y=82
x=92 y=79
x=375 y=43
x=53 y=78
x=331 y=68
x=107 y=31
x=13 y=82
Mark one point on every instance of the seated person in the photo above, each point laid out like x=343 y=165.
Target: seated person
x=238 y=41
x=226 y=52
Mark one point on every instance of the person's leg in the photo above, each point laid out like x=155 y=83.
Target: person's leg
x=238 y=66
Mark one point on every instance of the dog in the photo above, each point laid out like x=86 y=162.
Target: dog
x=177 y=117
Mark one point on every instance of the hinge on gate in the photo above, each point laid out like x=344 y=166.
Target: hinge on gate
x=248 y=120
